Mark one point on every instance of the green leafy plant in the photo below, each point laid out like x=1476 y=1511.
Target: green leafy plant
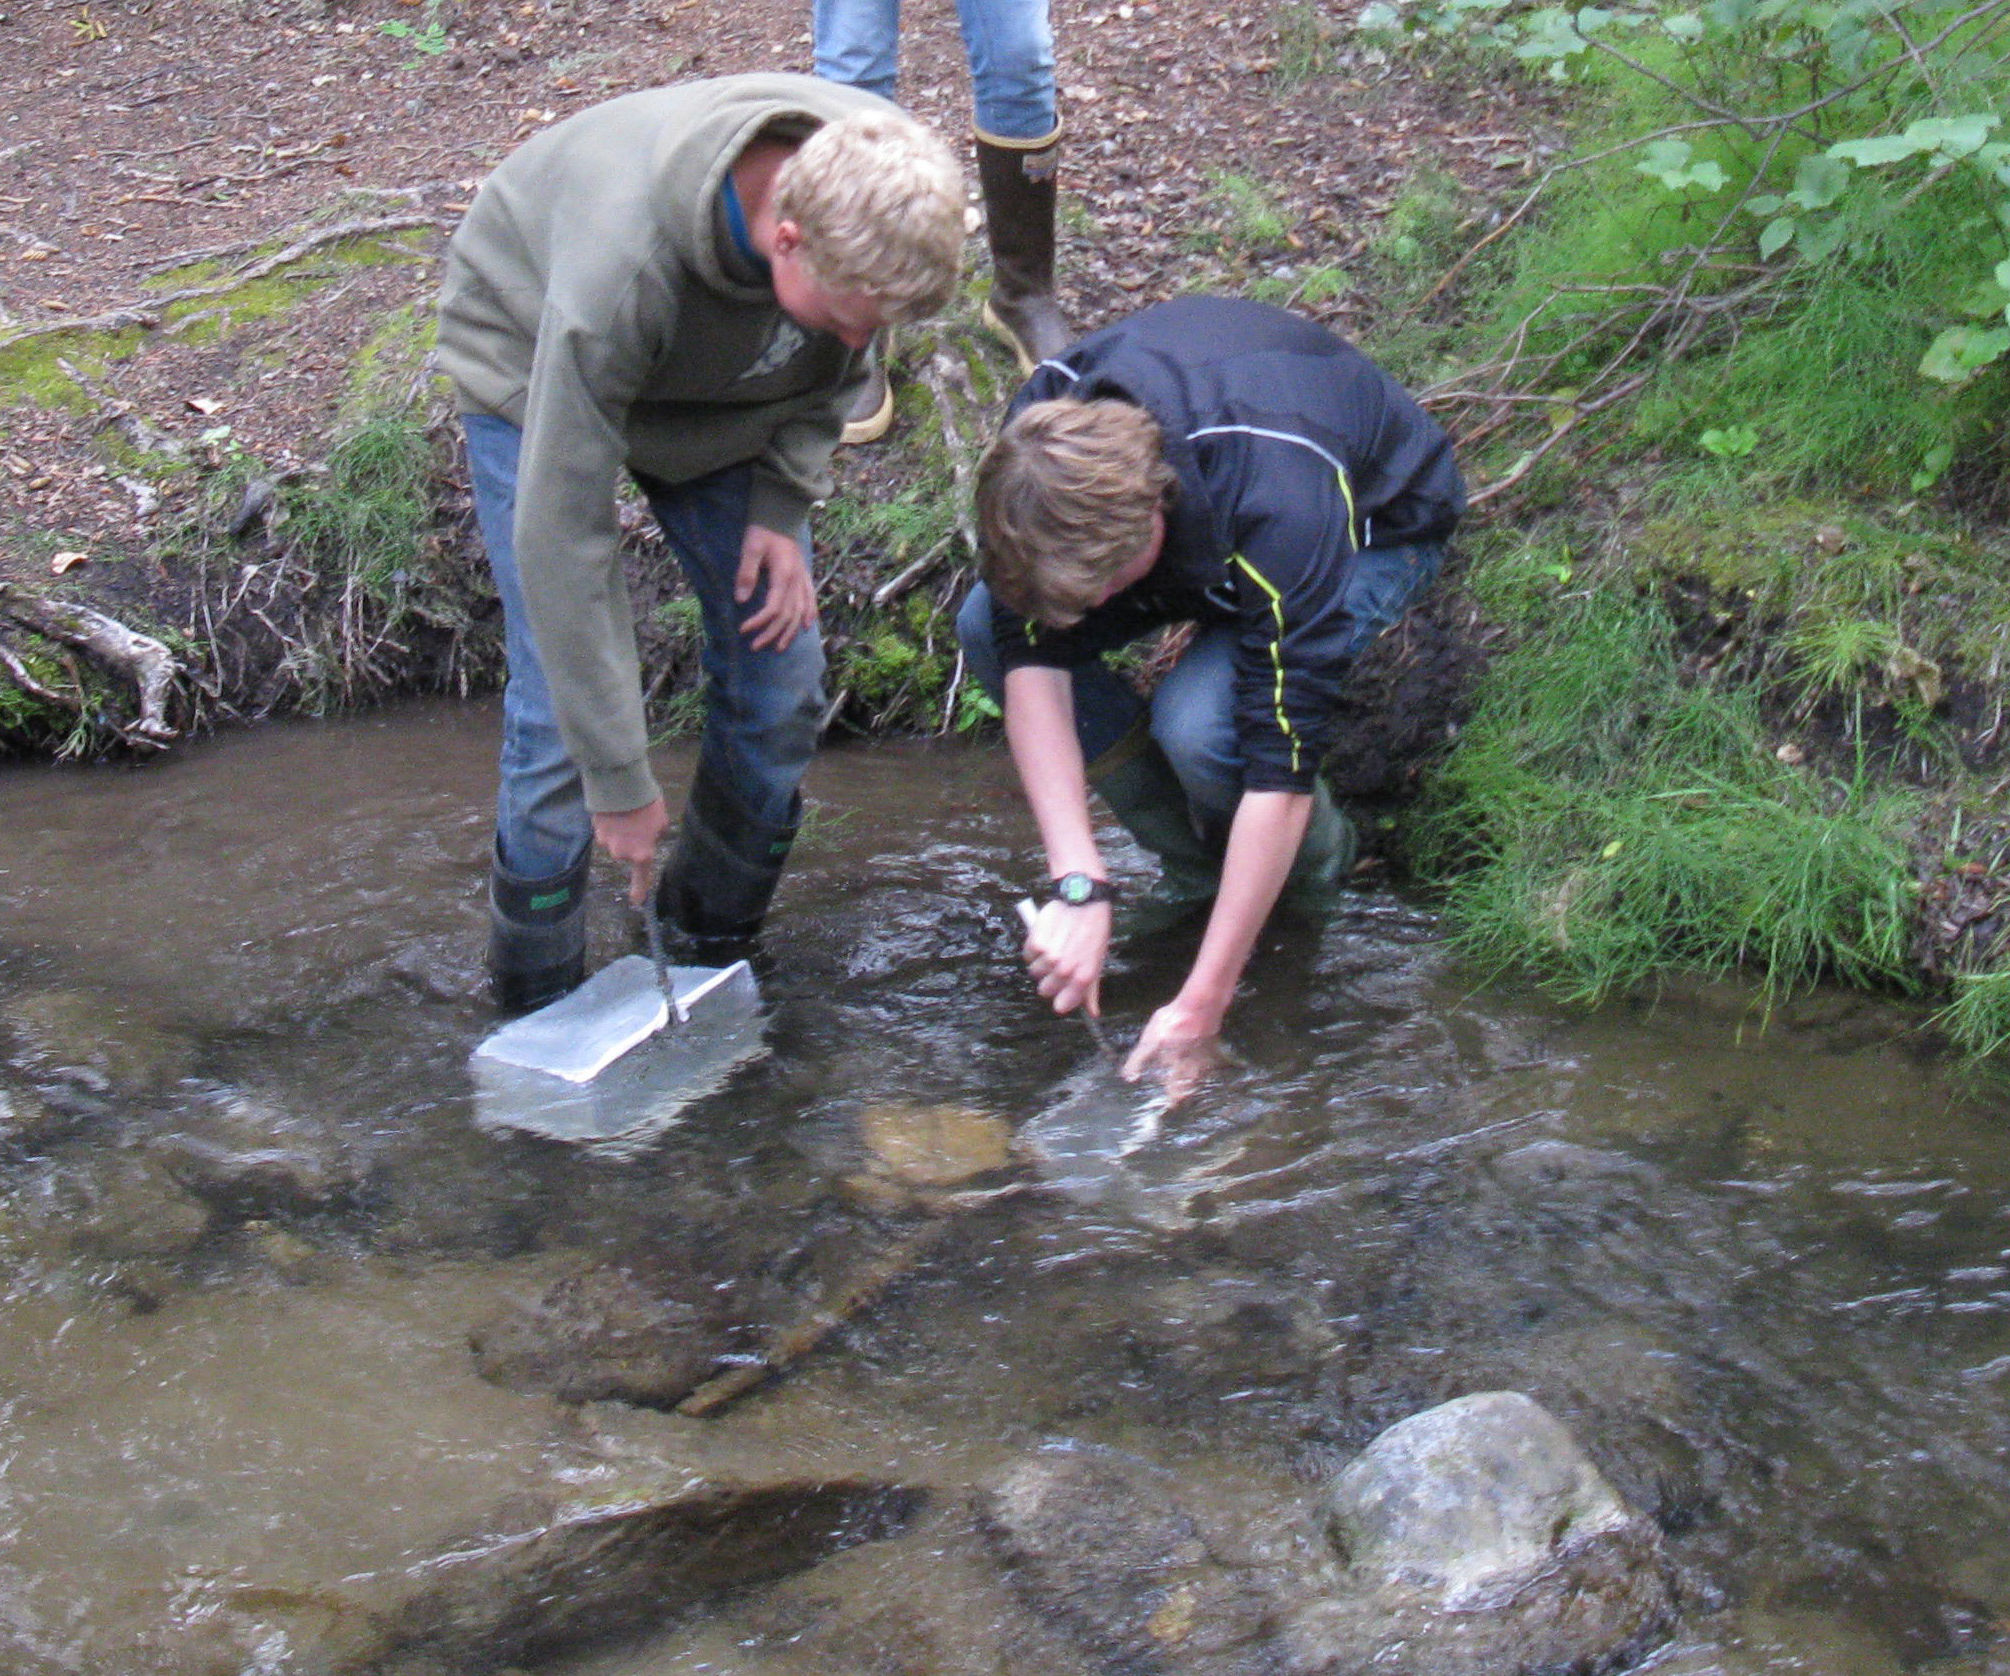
x=428 y=39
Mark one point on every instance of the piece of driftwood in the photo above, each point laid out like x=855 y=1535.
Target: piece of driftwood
x=136 y=657
x=790 y=1344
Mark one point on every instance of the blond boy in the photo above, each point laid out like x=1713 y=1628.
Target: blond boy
x=678 y=285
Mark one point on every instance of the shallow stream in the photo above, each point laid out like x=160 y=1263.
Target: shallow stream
x=1761 y=1269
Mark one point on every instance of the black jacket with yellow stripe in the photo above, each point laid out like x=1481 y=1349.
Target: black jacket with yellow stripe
x=1293 y=451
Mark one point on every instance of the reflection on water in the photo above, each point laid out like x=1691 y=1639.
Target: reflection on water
x=1764 y=1274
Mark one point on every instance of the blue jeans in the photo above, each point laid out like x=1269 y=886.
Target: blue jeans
x=1009 y=43
x=762 y=707
x=1192 y=710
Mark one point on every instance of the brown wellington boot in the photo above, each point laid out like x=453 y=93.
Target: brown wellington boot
x=1019 y=193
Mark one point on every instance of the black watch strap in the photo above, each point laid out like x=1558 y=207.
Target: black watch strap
x=1078 y=890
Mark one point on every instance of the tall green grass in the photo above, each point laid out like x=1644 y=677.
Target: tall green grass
x=1604 y=819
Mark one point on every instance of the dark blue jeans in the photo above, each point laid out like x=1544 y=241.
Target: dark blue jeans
x=1193 y=708
x=762 y=707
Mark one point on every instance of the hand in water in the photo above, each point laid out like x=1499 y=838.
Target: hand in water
x=1181 y=1046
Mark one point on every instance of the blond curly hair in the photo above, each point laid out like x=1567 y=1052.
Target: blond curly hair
x=879 y=200
x=1065 y=499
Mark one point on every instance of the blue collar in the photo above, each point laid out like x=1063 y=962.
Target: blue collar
x=736 y=224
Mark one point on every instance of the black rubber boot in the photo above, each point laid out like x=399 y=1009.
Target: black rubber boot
x=1134 y=778
x=537 y=934
x=719 y=883
x=1019 y=194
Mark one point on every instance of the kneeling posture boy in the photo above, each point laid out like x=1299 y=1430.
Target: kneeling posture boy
x=679 y=284
x=1235 y=466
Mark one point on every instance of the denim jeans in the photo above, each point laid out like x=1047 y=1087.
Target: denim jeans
x=762 y=707
x=1010 y=45
x=1192 y=709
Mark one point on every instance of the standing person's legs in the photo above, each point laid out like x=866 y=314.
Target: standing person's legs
x=761 y=714
x=544 y=835
x=1010 y=44
x=857 y=43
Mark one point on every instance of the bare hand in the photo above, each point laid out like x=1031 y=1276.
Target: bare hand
x=631 y=836
x=1065 y=951
x=791 y=602
x=1182 y=1043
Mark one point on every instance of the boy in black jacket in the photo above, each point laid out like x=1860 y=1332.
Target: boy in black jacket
x=1235 y=466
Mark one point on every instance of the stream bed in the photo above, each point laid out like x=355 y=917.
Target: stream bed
x=273 y=1296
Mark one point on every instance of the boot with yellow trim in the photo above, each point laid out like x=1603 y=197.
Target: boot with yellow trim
x=870 y=415
x=1018 y=181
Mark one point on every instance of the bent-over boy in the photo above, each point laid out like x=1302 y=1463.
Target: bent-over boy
x=678 y=284
x=1238 y=467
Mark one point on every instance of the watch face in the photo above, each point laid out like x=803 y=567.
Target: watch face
x=1076 y=889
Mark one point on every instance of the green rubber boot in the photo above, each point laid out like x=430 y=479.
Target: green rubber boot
x=1325 y=858
x=1134 y=778
x=537 y=934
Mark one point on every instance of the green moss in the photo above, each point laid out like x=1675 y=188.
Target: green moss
x=31 y=372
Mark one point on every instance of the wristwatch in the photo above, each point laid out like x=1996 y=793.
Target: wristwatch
x=1078 y=890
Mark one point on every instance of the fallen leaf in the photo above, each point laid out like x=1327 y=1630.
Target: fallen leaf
x=1831 y=538
x=1791 y=754
x=56 y=305
x=67 y=561
x=205 y=405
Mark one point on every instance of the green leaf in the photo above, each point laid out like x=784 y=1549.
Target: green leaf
x=1733 y=442
x=2003 y=274
x=1878 y=150
x=1953 y=136
x=1816 y=241
x=1766 y=205
x=1777 y=236
x=1960 y=352
x=1819 y=181
x=1684 y=26
x=1938 y=459
x=1378 y=16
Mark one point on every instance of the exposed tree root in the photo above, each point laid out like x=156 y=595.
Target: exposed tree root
x=126 y=653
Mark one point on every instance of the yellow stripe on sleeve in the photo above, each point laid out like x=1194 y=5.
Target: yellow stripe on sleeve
x=1276 y=647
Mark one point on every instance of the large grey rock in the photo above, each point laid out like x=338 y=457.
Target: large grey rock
x=1479 y=1540
x=1102 y=1545
x=250 y=1157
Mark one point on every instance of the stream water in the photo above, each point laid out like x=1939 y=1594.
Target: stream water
x=1760 y=1268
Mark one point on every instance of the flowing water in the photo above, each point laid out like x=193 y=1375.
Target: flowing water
x=1761 y=1268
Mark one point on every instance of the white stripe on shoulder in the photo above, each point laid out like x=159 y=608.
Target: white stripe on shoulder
x=1061 y=366
x=1276 y=436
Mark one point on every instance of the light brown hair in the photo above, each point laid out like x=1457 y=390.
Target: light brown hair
x=1065 y=499
x=879 y=200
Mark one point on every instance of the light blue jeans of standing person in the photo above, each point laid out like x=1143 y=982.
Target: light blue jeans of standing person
x=1192 y=709
x=1009 y=43
x=762 y=707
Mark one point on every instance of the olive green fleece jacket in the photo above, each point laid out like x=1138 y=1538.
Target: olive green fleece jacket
x=586 y=301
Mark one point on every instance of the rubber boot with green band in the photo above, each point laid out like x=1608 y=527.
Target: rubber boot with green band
x=719 y=883
x=1134 y=778
x=537 y=934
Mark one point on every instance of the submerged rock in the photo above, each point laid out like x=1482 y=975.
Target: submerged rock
x=637 y=1554
x=127 y=1206
x=65 y=1036
x=251 y=1158
x=935 y=1146
x=607 y=1333
x=1101 y=1545
x=1480 y=1540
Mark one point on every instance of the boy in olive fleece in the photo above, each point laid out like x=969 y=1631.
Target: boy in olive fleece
x=679 y=284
